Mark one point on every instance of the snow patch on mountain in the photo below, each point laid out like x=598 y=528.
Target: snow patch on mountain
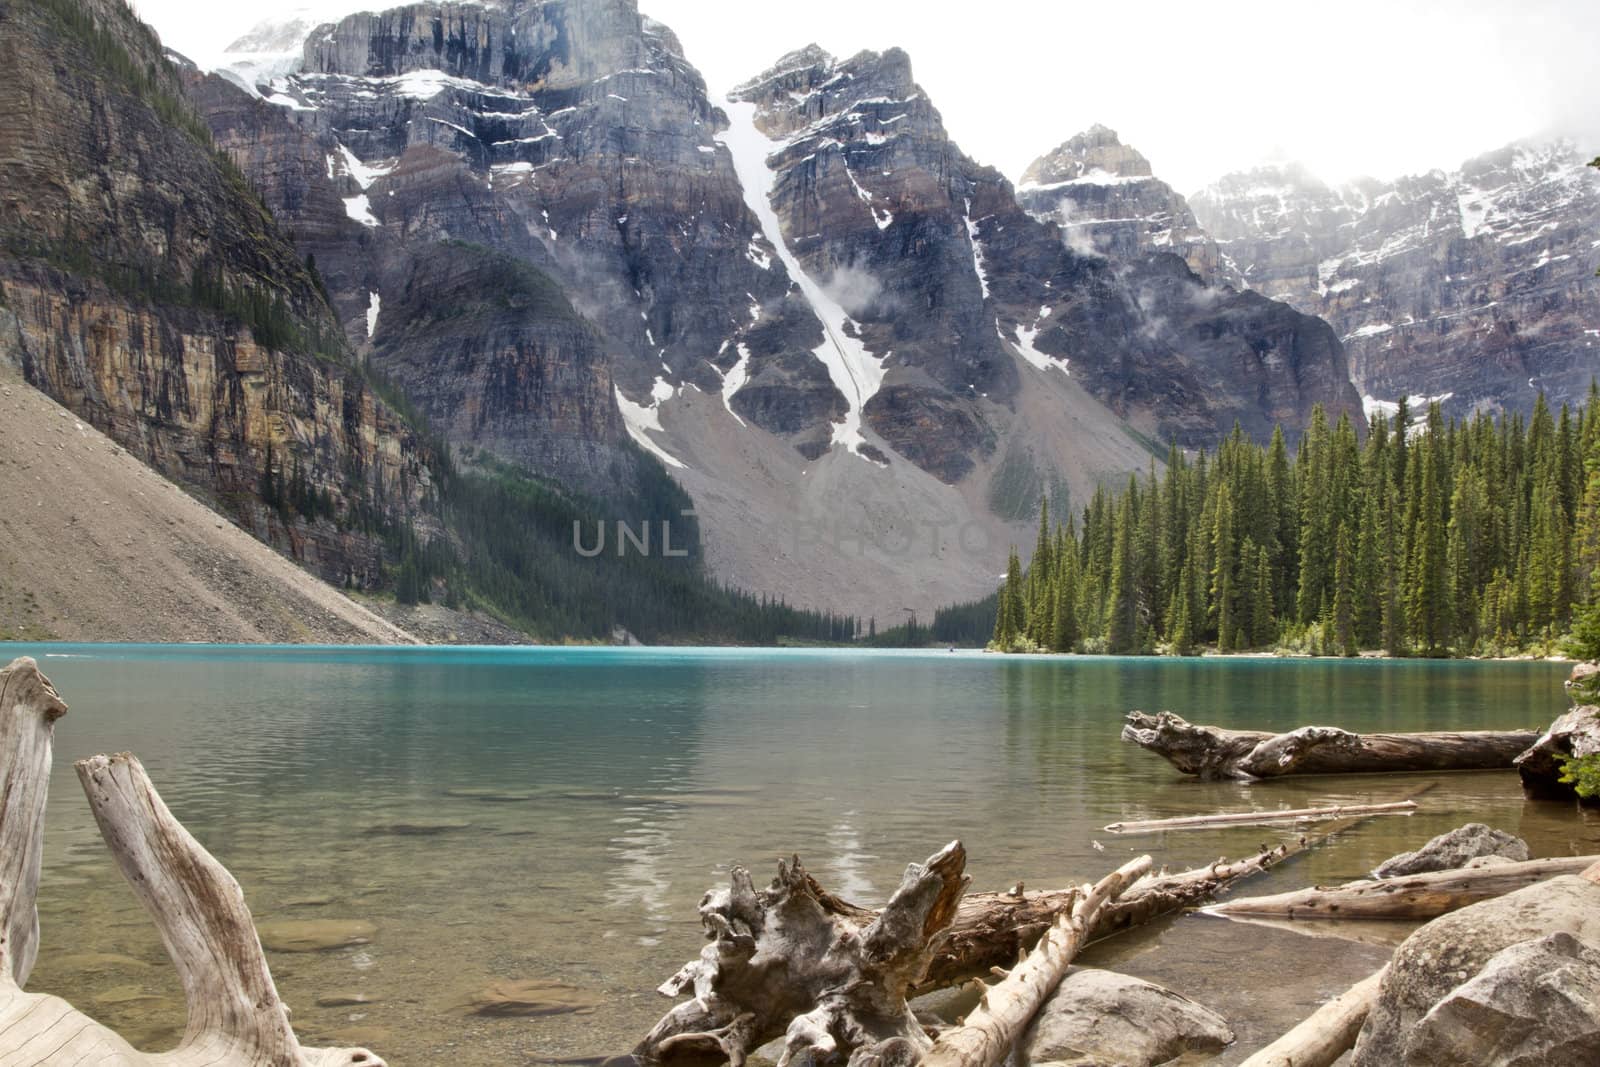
x=977 y=250
x=642 y=420
x=854 y=370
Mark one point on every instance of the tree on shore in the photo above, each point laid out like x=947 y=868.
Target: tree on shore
x=1432 y=536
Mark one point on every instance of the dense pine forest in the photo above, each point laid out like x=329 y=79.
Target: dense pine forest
x=1430 y=538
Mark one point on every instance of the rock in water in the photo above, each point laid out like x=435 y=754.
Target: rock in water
x=1433 y=963
x=1535 y=1003
x=536 y=996
x=314 y=935
x=1100 y=1018
x=1455 y=849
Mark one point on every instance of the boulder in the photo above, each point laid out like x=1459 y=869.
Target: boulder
x=1100 y=1018
x=314 y=935
x=1535 y=1004
x=1450 y=951
x=534 y=996
x=1455 y=849
x=1583 y=684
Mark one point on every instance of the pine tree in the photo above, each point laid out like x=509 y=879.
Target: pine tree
x=1064 y=632
x=1344 y=593
x=1122 y=622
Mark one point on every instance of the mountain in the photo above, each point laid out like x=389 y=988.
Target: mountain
x=147 y=288
x=1107 y=201
x=798 y=295
x=1475 y=286
x=533 y=227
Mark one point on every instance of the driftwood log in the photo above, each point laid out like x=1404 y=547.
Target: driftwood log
x=985 y=1037
x=1214 y=752
x=1249 y=818
x=1416 y=896
x=1327 y=1033
x=990 y=929
x=235 y=1018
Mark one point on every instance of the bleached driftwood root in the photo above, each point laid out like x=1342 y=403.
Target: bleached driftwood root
x=1414 y=896
x=1214 y=752
x=985 y=1036
x=832 y=979
x=793 y=960
x=235 y=1016
x=1327 y=1033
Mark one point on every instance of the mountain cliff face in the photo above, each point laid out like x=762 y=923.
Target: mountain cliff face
x=572 y=137
x=146 y=288
x=1104 y=196
x=1475 y=286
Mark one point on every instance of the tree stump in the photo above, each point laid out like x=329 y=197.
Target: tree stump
x=794 y=960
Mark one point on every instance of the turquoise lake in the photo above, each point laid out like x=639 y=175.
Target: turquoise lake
x=567 y=809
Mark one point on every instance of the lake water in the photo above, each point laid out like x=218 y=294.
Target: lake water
x=586 y=798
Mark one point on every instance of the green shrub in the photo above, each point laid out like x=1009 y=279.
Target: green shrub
x=1582 y=773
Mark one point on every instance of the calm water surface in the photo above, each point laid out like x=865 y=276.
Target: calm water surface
x=589 y=797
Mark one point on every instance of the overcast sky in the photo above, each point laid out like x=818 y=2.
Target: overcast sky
x=1378 y=87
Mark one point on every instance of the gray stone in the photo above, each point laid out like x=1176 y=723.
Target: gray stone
x=1455 y=849
x=1103 y=1019
x=1535 y=1004
x=1452 y=949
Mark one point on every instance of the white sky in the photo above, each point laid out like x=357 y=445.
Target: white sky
x=1378 y=87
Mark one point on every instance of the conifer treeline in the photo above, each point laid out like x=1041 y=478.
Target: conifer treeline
x=1456 y=538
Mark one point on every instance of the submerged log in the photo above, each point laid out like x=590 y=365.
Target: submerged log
x=1417 y=896
x=1215 y=752
x=1327 y=1033
x=1248 y=818
x=235 y=1018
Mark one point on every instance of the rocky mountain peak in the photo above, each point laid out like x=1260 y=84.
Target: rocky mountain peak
x=1097 y=150
x=1106 y=200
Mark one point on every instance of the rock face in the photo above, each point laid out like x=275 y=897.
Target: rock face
x=150 y=292
x=1535 y=1004
x=1472 y=286
x=1450 y=951
x=567 y=137
x=1104 y=196
x=1102 y=1019
x=1455 y=849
